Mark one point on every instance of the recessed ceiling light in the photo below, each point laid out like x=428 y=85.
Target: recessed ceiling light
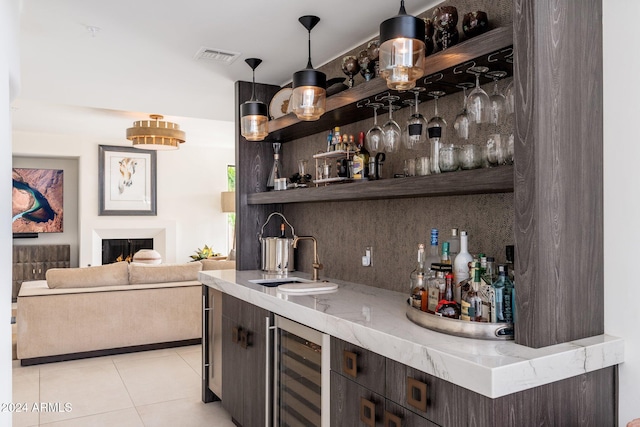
x=218 y=55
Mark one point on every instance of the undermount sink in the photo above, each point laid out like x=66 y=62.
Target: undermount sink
x=272 y=283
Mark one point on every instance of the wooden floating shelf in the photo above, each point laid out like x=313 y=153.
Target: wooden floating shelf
x=478 y=181
x=341 y=108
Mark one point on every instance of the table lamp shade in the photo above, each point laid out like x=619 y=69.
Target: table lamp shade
x=228 y=201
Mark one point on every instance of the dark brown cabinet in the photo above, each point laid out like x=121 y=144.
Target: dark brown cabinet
x=243 y=361
x=31 y=262
x=410 y=397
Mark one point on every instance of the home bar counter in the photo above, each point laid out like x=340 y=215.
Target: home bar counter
x=375 y=319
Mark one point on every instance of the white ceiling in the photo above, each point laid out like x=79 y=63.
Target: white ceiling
x=140 y=60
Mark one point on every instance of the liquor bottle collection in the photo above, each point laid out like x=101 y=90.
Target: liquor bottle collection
x=449 y=282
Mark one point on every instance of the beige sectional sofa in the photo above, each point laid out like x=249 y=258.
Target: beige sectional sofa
x=82 y=312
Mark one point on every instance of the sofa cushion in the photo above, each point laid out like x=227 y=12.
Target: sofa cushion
x=148 y=273
x=85 y=277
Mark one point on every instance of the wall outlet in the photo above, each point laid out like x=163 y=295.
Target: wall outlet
x=367 y=258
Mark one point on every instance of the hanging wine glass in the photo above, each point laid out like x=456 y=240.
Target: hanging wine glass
x=508 y=95
x=498 y=109
x=461 y=123
x=437 y=120
x=478 y=102
x=374 y=135
x=436 y=128
x=391 y=130
x=416 y=127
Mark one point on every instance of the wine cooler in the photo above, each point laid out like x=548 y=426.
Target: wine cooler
x=300 y=375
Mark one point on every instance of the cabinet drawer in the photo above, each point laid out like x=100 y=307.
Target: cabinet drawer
x=446 y=404
x=397 y=416
x=354 y=405
x=362 y=366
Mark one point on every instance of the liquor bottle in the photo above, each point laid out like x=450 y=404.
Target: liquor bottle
x=434 y=254
x=503 y=288
x=471 y=304
x=490 y=275
x=509 y=298
x=445 y=257
x=448 y=290
x=330 y=146
x=360 y=160
x=454 y=244
x=435 y=288
x=337 y=139
x=282 y=230
x=510 y=256
x=461 y=265
x=417 y=278
x=364 y=153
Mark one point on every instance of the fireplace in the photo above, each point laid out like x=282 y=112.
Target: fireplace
x=114 y=250
x=163 y=233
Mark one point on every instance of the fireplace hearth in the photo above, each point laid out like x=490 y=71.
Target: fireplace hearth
x=114 y=250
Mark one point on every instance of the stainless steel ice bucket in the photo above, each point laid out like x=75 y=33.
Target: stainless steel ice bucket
x=277 y=252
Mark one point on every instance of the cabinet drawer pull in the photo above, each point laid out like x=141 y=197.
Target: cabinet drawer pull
x=245 y=338
x=367 y=412
x=235 y=335
x=349 y=363
x=391 y=420
x=417 y=394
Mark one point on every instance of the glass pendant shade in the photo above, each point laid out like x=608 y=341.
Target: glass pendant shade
x=402 y=50
x=254 y=121
x=308 y=100
x=309 y=94
x=254 y=117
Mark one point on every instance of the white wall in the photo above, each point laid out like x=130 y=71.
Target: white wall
x=622 y=193
x=189 y=182
x=9 y=85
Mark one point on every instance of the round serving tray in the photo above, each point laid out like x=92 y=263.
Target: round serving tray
x=461 y=328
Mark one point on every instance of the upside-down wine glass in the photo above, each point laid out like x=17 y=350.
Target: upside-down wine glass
x=498 y=109
x=478 y=102
x=416 y=128
x=437 y=128
x=461 y=123
x=391 y=129
x=374 y=135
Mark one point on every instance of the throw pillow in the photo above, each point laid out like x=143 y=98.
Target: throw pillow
x=140 y=274
x=87 y=277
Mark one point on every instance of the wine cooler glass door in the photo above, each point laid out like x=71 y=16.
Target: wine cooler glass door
x=301 y=383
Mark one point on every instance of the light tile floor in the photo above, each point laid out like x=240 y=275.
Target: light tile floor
x=146 y=389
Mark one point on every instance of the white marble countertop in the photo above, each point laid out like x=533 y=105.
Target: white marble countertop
x=375 y=319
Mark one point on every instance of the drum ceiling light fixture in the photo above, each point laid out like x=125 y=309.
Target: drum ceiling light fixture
x=155 y=134
x=309 y=86
x=402 y=50
x=253 y=113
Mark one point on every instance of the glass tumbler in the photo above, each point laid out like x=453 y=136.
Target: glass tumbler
x=470 y=156
x=449 y=158
x=423 y=166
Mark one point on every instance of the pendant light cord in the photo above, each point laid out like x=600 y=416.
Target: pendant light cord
x=309 y=66
x=253 y=86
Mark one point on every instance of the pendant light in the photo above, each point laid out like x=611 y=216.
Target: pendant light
x=402 y=50
x=253 y=114
x=155 y=134
x=309 y=85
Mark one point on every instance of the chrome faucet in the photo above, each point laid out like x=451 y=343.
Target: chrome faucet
x=316 y=263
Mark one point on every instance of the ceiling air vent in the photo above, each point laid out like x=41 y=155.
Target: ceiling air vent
x=217 y=55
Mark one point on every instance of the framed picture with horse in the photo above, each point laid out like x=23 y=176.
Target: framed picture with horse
x=126 y=181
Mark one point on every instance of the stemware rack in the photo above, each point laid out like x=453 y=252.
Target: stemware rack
x=445 y=71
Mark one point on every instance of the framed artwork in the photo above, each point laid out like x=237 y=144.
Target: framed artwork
x=126 y=181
